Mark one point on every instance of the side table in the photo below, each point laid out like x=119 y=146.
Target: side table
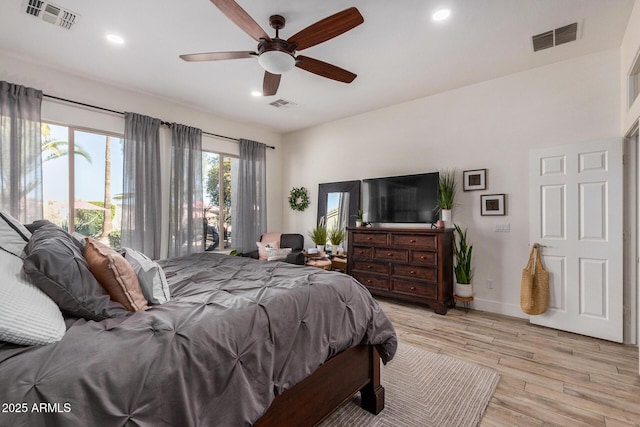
x=339 y=263
x=465 y=302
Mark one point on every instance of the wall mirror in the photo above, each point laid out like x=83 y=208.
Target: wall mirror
x=338 y=203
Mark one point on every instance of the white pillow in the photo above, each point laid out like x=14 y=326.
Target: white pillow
x=262 y=248
x=277 y=254
x=13 y=235
x=150 y=276
x=27 y=315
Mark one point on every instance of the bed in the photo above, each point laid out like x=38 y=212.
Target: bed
x=240 y=342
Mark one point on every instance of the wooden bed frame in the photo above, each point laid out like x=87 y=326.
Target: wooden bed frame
x=328 y=387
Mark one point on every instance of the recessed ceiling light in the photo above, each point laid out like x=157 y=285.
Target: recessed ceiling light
x=256 y=93
x=115 y=39
x=441 y=15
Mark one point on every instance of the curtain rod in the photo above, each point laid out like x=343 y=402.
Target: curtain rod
x=162 y=122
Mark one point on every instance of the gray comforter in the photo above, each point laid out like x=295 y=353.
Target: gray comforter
x=235 y=333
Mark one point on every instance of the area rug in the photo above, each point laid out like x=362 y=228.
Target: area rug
x=424 y=389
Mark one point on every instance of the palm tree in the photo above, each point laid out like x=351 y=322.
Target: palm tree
x=107 y=225
x=56 y=147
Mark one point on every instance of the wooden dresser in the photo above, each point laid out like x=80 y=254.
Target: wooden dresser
x=411 y=264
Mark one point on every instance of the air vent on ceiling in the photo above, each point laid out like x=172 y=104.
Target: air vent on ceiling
x=282 y=103
x=566 y=34
x=51 y=13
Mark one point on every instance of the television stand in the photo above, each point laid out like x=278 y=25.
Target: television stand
x=409 y=264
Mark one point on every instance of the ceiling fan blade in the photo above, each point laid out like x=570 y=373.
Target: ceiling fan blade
x=326 y=28
x=270 y=83
x=218 y=56
x=324 y=69
x=241 y=18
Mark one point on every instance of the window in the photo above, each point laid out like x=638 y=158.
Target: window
x=219 y=199
x=82 y=181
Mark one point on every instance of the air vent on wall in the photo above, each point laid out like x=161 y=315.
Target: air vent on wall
x=282 y=103
x=51 y=13
x=556 y=37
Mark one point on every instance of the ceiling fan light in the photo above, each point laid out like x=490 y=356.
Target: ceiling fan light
x=276 y=61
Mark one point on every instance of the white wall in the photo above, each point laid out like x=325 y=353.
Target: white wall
x=65 y=85
x=490 y=125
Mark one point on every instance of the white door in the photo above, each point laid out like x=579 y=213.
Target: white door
x=575 y=197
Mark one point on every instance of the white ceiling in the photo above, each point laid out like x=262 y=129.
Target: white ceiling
x=399 y=53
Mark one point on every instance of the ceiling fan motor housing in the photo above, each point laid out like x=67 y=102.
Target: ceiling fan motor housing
x=276 y=56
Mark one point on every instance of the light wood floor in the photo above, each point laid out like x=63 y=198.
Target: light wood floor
x=548 y=377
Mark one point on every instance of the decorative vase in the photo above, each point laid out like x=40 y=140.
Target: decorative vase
x=358 y=223
x=446 y=217
x=464 y=289
x=320 y=248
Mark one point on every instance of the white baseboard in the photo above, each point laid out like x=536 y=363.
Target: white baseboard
x=499 y=307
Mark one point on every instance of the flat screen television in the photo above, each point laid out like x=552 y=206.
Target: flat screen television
x=401 y=199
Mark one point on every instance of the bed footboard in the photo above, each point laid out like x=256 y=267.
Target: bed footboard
x=332 y=384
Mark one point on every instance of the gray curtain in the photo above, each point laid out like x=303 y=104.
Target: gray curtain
x=20 y=152
x=186 y=206
x=250 y=214
x=141 y=204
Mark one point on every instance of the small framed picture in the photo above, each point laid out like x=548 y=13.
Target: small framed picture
x=475 y=180
x=492 y=204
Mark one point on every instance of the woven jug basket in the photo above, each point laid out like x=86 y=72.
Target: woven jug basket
x=534 y=289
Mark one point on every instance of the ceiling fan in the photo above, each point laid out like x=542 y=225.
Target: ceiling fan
x=277 y=56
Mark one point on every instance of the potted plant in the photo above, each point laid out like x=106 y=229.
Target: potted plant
x=336 y=236
x=446 y=194
x=319 y=236
x=462 y=251
x=359 y=218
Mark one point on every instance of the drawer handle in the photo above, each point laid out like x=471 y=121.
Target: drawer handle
x=412 y=272
x=423 y=257
x=412 y=241
x=369 y=267
x=369 y=281
x=389 y=254
x=368 y=238
x=413 y=288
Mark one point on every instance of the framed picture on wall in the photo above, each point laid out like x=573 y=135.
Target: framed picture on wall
x=492 y=204
x=474 y=180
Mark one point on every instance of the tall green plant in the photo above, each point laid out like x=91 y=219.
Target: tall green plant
x=462 y=251
x=447 y=188
x=336 y=236
x=319 y=234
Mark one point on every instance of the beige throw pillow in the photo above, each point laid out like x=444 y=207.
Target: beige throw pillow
x=115 y=274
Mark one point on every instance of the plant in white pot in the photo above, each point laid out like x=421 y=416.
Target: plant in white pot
x=359 y=218
x=462 y=251
x=319 y=235
x=446 y=194
x=336 y=236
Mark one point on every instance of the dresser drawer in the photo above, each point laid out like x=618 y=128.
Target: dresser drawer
x=359 y=252
x=388 y=254
x=372 y=281
x=416 y=240
x=372 y=267
x=370 y=238
x=423 y=258
x=422 y=289
x=415 y=272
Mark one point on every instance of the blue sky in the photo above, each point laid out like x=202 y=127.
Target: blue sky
x=89 y=177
